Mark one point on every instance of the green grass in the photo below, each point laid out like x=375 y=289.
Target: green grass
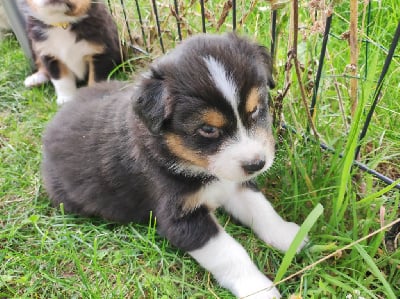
x=45 y=254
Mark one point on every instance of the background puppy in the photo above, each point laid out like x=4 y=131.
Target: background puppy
x=71 y=40
x=187 y=138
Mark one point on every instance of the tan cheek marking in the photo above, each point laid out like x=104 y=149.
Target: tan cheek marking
x=80 y=7
x=252 y=100
x=176 y=146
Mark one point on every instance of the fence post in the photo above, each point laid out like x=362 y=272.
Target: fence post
x=17 y=22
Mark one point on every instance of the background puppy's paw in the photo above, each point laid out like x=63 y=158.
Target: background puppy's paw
x=283 y=235
x=36 y=79
x=62 y=99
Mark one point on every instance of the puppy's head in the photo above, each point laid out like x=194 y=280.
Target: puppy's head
x=207 y=101
x=59 y=10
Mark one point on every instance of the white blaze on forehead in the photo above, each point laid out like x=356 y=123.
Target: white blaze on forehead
x=222 y=80
x=225 y=84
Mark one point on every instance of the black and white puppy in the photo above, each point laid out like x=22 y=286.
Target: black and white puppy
x=71 y=40
x=187 y=138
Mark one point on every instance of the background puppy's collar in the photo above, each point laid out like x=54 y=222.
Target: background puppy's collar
x=63 y=25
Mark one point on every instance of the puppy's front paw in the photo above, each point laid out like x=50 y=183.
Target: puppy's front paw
x=282 y=235
x=257 y=288
x=36 y=79
x=267 y=294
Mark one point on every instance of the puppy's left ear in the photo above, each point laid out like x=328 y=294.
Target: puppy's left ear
x=150 y=104
x=267 y=60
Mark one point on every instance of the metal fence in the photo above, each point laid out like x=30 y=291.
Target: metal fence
x=157 y=26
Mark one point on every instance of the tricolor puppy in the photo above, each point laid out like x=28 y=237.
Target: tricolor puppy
x=187 y=138
x=71 y=40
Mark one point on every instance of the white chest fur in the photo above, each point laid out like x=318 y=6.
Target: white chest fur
x=62 y=44
x=217 y=193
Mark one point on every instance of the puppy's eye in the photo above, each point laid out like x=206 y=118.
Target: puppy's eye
x=209 y=131
x=255 y=113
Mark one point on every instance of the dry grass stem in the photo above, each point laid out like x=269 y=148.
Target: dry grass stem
x=225 y=11
x=353 y=54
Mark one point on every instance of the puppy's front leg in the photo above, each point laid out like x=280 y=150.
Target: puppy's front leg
x=198 y=233
x=232 y=267
x=250 y=207
x=61 y=77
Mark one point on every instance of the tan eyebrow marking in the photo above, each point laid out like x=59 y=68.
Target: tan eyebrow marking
x=214 y=118
x=252 y=100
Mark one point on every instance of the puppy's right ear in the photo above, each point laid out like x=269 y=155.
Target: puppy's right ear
x=150 y=103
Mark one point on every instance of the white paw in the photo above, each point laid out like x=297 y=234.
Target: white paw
x=256 y=288
x=282 y=235
x=36 y=79
x=233 y=269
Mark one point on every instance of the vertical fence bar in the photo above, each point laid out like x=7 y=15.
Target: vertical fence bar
x=320 y=64
x=203 y=16
x=178 y=19
x=296 y=63
x=274 y=14
x=110 y=7
x=141 y=24
x=17 y=22
x=234 y=15
x=158 y=25
x=377 y=93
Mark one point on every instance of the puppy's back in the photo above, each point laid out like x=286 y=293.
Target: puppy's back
x=86 y=155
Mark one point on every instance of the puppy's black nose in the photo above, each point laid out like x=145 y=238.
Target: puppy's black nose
x=253 y=166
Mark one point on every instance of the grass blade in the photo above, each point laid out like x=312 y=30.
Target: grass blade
x=304 y=229
x=340 y=205
x=374 y=270
x=368 y=199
